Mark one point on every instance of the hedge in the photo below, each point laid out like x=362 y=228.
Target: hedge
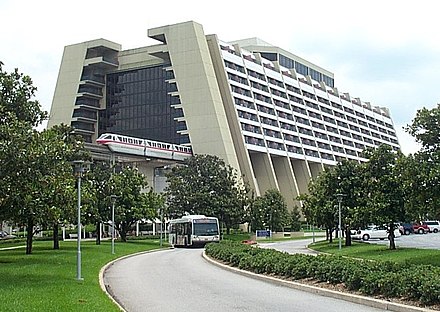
x=388 y=279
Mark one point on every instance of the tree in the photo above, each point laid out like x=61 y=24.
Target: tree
x=204 y=184
x=425 y=128
x=132 y=202
x=294 y=219
x=422 y=183
x=384 y=188
x=35 y=172
x=270 y=211
x=98 y=209
x=321 y=205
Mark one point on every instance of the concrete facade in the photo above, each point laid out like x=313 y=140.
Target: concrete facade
x=273 y=116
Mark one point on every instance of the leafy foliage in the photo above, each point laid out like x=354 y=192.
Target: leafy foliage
x=269 y=212
x=204 y=184
x=132 y=202
x=368 y=277
x=35 y=174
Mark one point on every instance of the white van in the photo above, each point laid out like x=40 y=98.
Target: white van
x=434 y=226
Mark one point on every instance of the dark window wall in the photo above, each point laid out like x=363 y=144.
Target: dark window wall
x=138 y=104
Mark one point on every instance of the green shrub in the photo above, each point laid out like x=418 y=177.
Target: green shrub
x=417 y=282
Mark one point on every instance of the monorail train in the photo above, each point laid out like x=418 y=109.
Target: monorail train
x=128 y=145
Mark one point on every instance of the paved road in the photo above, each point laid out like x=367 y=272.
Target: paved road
x=292 y=246
x=181 y=280
x=425 y=241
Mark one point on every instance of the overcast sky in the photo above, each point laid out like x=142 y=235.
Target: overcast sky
x=384 y=52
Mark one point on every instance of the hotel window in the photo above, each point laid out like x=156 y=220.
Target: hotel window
x=268 y=121
x=345 y=133
x=357 y=137
x=285 y=115
x=321 y=135
x=324 y=146
x=360 y=146
x=337 y=149
x=347 y=142
x=352 y=119
x=275 y=145
x=368 y=140
x=292 y=138
x=236 y=78
x=293 y=89
x=299 y=110
x=330 y=120
x=296 y=99
x=250 y=128
x=308 y=142
x=265 y=109
x=247 y=115
x=288 y=126
x=304 y=121
x=312 y=105
x=340 y=115
x=281 y=104
x=253 y=141
x=305 y=131
x=326 y=110
x=275 y=82
x=235 y=67
x=314 y=115
x=244 y=103
x=318 y=125
x=336 y=105
x=309 y=95
x=295 y=149
x=342 y=124
x=272 y=133
x=350 y=152
x=349 y=110
x=360 y=115
x=332 y=129
x=301 y=69
x=354 y=128
x=256 y=75
x=311 y=153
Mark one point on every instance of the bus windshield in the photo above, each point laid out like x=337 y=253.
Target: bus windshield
x=205 y=229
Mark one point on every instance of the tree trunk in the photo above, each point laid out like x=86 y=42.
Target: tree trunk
x=98 y=233
x=330 y=230
x=56 y=240
x=122 y=232
x=391 y=236
x=29 y=235
x=347 y=237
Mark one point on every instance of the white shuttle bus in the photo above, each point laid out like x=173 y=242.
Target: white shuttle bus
x=193 y=230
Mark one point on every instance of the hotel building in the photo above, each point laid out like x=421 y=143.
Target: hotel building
x=276 y=118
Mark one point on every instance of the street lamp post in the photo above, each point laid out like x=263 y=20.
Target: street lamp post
x=339 y=196
x=79 y=170
x=113 y=200
x=161 y=225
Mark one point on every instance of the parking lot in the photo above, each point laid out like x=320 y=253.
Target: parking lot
x=427 y=241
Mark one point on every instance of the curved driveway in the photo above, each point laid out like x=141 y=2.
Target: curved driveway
x=181 y=280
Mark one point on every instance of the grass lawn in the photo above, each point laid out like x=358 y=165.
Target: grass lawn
x=381 y=252
x=46 y=279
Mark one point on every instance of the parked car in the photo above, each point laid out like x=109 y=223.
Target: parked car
x=405 y=228
x=434 y=226
x=5 y=235
x=420 y=228
x=374 y=232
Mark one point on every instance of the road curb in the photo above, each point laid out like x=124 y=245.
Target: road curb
x=107 y=288
x=371 y=302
